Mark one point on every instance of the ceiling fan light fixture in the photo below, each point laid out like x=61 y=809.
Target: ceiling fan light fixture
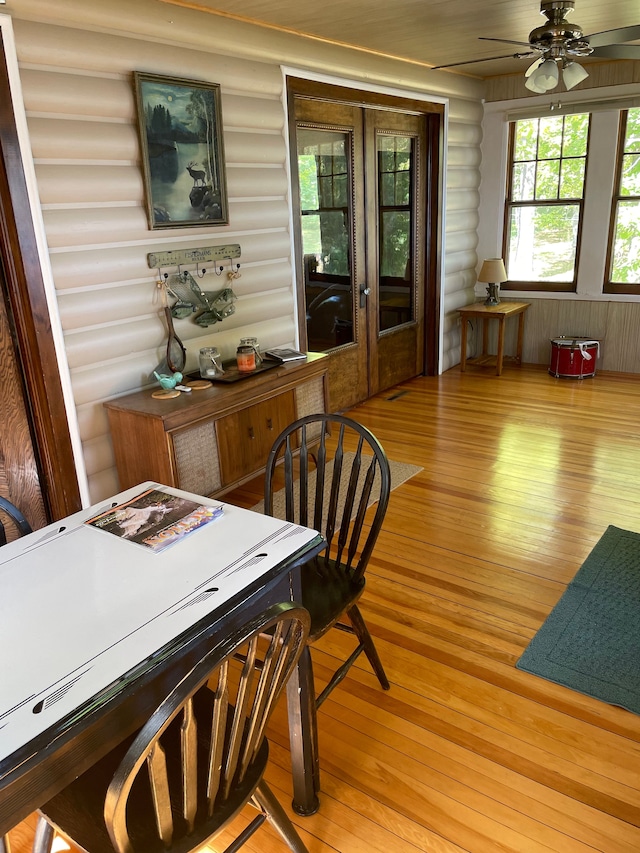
x=572 y=74
x=544 y=78
x=537 y=62
x=531 y=85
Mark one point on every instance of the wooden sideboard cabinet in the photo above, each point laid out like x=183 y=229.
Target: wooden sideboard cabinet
x=211 y=440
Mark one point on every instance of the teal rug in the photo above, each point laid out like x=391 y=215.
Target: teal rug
x=590 y=641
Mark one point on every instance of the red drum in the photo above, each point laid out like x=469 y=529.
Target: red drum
x=573 y=358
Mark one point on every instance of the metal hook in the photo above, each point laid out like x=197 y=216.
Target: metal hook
x=219 y=270
x=234 y=270
x=200 y=273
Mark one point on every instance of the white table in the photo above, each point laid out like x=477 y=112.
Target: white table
x=94 y=630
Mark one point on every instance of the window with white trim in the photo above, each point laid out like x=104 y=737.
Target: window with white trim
x=545 y=197
x=624 y=249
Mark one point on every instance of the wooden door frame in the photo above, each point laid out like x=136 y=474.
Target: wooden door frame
x=28 y=305
x=434 y=116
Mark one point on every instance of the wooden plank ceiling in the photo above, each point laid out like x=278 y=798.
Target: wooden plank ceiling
x=432 y=32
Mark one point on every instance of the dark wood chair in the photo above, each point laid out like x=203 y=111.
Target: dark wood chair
x=330 y=491
x=7 y=509
x=198 y=760
x=10 y=512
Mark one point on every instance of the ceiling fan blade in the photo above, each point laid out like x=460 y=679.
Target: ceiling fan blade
x=486 y=59
x=618 y=51
x=622 y=35
x=506 y=41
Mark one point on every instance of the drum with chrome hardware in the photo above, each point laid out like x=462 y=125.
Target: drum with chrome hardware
x=573 y=358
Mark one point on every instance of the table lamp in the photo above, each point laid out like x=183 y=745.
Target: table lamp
x=493 y=272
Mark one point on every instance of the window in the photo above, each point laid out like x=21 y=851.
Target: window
x=396 y=179
x=546 y=183
x=325 y=207
x=624 y=252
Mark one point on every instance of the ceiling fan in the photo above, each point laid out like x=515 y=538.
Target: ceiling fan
x=558 y=43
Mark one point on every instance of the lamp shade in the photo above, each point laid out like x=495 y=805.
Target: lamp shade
x=531 y=84
x=543 y=77
x=572 y=74
x=493 y=271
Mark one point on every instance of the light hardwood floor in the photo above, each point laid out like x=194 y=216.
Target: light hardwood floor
x=521 y=476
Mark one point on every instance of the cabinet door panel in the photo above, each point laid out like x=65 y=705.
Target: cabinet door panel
x=196 y=455
x=245 y=437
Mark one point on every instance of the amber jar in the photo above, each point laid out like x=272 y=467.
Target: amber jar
x=252 y=342
x=246 y=358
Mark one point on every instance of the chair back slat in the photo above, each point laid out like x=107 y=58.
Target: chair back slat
x=367 y=488
x=304 y=479
x=289 y=482
x=240 y=715
x=189 y=744
x=218 y=727
x=336 y=476
x=321 y=462
x=159 y=785
x=347 y=536
x=216 y=715
x=270 y=673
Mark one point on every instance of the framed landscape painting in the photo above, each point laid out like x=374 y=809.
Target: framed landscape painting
x=180 y=123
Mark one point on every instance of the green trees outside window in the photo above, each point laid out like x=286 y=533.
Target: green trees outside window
x=544 y=200
x=625 y=248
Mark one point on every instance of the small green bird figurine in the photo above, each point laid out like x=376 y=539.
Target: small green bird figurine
x=167 y=382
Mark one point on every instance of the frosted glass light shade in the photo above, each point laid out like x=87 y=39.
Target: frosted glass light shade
x=543 y=78
x=493 y=271
x=531 y=84
x=572 y=74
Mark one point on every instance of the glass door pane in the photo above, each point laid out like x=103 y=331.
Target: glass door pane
x=326 y=215
x=396 y=183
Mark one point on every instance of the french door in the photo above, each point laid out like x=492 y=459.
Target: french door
x=365 y=193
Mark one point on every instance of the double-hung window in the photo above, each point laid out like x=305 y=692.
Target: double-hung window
x=545 y=192
x=624 y=252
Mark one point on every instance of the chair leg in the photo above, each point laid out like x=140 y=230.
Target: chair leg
x=5 y=844
x=43 y=840
x=363 y=635
x=278 y=818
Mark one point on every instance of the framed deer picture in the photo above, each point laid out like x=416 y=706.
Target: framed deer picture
x=180 y=123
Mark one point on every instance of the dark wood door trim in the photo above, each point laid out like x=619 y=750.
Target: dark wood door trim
x=298 y=87
x=28 y=305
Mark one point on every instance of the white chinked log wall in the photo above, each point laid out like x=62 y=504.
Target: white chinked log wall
x=78 y=93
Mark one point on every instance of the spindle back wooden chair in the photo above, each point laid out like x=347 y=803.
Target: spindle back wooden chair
x=334 y=469
x=205 y=754
x=9 y=511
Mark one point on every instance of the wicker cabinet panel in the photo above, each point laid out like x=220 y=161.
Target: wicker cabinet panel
x=310 y=401
x=197 y=462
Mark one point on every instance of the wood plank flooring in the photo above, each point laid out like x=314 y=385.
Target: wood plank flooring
x=521 y=476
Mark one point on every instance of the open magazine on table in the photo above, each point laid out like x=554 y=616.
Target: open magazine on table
x=155 y=519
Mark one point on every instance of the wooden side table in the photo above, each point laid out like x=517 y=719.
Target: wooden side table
x=485 y=313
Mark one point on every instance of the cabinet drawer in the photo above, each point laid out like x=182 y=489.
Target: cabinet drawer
x=245 y=437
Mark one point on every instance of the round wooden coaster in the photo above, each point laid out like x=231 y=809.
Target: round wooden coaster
x=162 y=394
x=198 y=384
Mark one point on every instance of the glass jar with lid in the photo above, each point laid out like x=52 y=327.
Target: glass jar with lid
x=210 y=362
x=246 y=358
x=252 y=342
